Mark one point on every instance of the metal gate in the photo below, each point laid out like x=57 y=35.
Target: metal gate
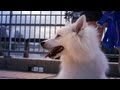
x=24 y=30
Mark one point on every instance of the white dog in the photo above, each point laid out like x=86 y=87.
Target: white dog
x=78 y=48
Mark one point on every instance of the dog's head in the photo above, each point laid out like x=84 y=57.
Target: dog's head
x=65 y=37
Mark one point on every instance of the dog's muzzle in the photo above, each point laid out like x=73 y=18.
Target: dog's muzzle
x=55 y=51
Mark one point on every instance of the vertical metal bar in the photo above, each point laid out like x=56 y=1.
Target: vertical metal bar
x=20 y=36
x=30 y=28
x=45 y=28
x=45 y=31
x=1 y=32
x=5 y=31
x=10 y=31
x=26 y=49
x=55 y=23
x=50 y=25
x=15 y=30
x=60 y=18
x=34 y=33
x=27 y=41
x=40 y=32
x=25 y=29
x=25 y=52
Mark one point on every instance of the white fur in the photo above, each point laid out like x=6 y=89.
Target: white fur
x=82 y=58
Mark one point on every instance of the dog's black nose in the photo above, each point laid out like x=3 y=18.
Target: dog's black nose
x=42 y=43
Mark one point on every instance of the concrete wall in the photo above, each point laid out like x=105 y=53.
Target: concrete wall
x=49 y=66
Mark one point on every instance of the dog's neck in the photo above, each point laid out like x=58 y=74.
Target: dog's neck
x=68 y=61
x=71 y=68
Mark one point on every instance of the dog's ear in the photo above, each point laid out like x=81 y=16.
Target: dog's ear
x=80 y=24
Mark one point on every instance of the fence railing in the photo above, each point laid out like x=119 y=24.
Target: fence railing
x=21 y=31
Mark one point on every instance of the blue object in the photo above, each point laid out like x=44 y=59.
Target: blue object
x=112 y=36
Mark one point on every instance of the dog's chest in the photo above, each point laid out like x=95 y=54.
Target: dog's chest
x=80 y=71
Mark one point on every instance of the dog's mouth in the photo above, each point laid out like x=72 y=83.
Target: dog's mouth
x=54 y=51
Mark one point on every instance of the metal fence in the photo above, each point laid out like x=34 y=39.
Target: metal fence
x=21 y=28
x=22 y=31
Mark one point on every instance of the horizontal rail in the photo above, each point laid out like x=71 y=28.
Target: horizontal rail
x=21 y=39
x=20 y=24
x=33 y=15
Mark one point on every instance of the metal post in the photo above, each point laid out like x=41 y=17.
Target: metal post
x=26 y=49
x=10 y=30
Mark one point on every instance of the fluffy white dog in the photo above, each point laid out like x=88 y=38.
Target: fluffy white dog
x=79 y=51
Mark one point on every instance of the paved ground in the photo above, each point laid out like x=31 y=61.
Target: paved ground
x=27 y=75
x=23 y=75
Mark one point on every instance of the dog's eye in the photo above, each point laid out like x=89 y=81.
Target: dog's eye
x=58 y=36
